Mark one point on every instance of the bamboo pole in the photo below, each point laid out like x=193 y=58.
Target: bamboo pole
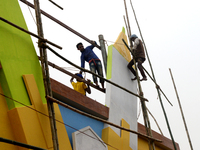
x=28 y=32
x=186 y=129
x=85 y=70
x=157 y=86
x=161 y=103
x=128 y=33
x=56 y=4
x=20 y=144
x=103 y=51
x=145 y=114
x=99 y=119
x=155 y=121
x=82 y=113
x=62 y=24
x=128 y=24
x=144 y=108
x=74 y=76
x=46 y=78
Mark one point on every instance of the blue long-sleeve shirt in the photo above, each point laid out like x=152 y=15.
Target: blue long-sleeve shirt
x=87 y=55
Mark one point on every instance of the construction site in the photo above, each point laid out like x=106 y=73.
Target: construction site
x=39 y=112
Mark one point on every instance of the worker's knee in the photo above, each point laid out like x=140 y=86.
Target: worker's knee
x=130 y=64
x=139 y=65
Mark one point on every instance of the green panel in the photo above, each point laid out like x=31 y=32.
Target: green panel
x=18 y=56
x=123 y=30
x=109 y=62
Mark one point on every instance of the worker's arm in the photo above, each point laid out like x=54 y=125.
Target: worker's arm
x=88 y=90
x=136 y=43
x=71 y=80
x=94 y=43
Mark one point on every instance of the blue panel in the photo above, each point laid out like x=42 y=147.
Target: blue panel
x=75 y=121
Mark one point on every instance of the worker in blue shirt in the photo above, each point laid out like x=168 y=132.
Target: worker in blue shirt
x=88 y=55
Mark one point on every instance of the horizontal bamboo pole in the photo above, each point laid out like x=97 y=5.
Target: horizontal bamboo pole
x=85 y=70
x=73 y=75
x=22 y=29
x=20 y=144
x=61 y=23
x=99 y=119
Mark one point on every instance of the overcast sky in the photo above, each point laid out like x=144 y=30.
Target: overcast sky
x=171 y=33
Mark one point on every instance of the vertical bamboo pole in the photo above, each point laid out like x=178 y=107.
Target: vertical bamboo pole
x=144 y=108
x=129 y=29
x=161 y=103
x=103 y=51
x=128 y=33
x=45 y=71
x=186 y=129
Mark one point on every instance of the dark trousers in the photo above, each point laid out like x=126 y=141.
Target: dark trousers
x=139 y=62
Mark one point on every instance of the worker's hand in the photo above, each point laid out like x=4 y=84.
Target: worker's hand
x=89 y=80
x=93 y=43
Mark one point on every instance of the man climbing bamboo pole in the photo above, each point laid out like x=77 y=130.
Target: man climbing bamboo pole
x=139 y=56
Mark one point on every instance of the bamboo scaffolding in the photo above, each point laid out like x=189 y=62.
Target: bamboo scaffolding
x=145 y=114
x=82 y=113
x=56 y=4
x=61 y=23
x=74 y=76
x=144 y=109
x=20 y=144
x=103 y=51
x=28 y=32
x=155 y=121
x=128 y=24
x=46 y=78
x=161 y=103
x=99 y=119
x=186 y=129
x=157 y=86
x=85 y=70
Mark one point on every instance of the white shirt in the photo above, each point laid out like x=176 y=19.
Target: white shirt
x=136 y=43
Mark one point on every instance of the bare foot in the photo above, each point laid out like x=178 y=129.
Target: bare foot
x=144 y=79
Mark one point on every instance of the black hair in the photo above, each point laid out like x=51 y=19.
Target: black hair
x=79 y=44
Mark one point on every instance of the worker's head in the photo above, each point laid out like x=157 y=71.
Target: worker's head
x=133 y=37
x=80 y=46
x=79 y=75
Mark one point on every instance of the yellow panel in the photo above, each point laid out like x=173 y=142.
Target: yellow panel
x=26 y=127
x=44 y=121
x=36 y=101
x=142 y=144
x=121 y=47
x=5 y=124
x=112 y=139
x=63 y=138
x=125 y=136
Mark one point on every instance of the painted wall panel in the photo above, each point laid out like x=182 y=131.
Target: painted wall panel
x=122 y=105
x=18 y=56
x=77 y=121
x=5 y=124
